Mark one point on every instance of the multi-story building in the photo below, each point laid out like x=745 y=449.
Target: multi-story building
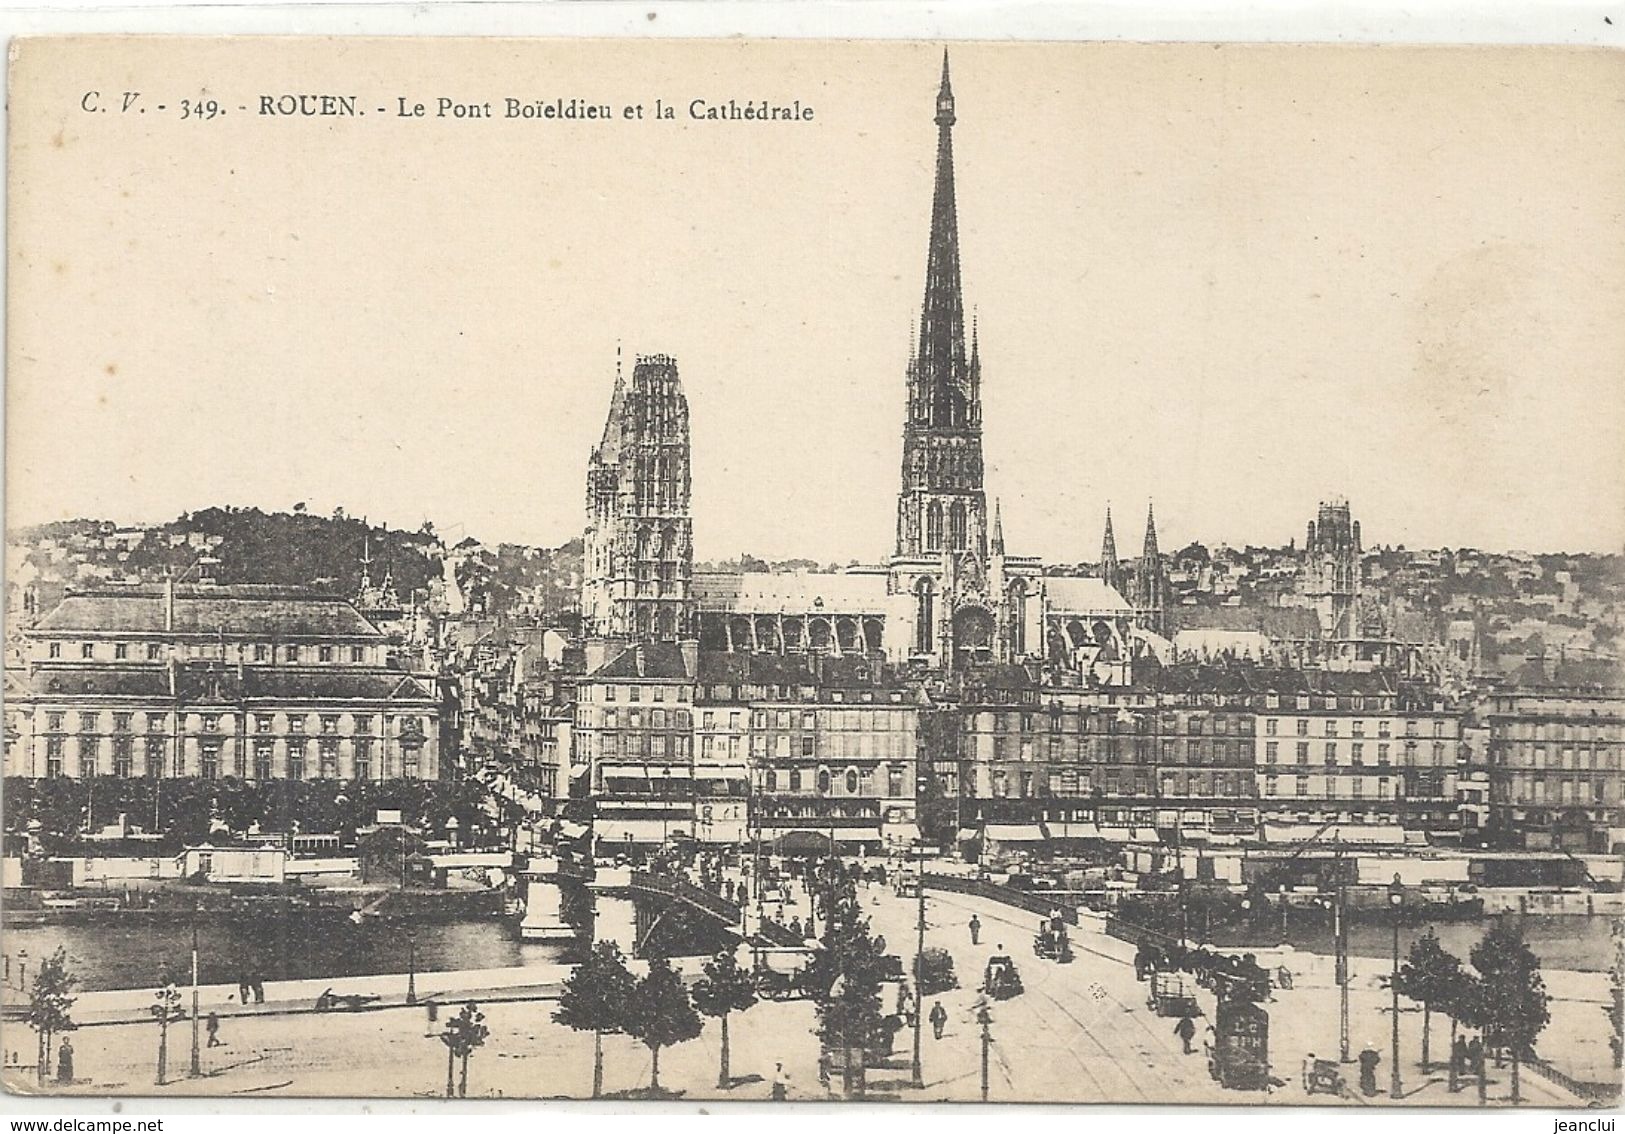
x=634 y=732
x=1358 y=748
x=1555 y=758
x=212 y=681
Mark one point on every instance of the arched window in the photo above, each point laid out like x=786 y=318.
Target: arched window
x=1018 y=617
x=823 y=781
x=851 y=781
x=772 y=780
x=956 y=526
x=924 y=616
x=933 y=526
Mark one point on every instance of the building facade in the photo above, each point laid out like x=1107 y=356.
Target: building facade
x=638 y=551
x=212 y=681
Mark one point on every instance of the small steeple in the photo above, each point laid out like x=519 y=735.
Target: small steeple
x=998 y=529
x=1110 y=573
x=1150 y=554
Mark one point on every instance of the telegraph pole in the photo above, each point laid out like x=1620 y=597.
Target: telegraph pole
x=919 y=965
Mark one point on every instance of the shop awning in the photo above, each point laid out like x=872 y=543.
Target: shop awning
x=572 y=830
x=966 y=835
x=613 y=831
x=1015 y=832
x=721 y=773
x=578 y=770
x=1073 y=831
x=1117 y=834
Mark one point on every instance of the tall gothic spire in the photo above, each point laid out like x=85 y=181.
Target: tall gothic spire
x=1150 y=554
x=998 y=529
x=942 y=320
x=1110 y=573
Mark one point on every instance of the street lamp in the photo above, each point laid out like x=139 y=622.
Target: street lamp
x=665 y=805
x=1396 y=904
x=919 y=963
x=1283 y=912
x=985 y=1018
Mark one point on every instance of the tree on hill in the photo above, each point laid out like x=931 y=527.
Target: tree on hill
x=595 y=999
x=1515 y=1005
x=723 y=989
x=659 y=1014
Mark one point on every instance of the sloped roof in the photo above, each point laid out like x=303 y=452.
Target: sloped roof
x=114 y=681
x=652 y=661
x=1079 y=594
x=234 y=611
x=216 y=682
x=800 y=592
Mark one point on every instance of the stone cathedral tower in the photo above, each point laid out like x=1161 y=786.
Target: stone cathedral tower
x=638 y=553
x=942 y=505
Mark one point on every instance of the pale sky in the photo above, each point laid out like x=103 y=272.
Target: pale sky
x=1236 y=280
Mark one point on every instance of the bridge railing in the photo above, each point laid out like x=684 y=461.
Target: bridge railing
x=690 y=894
x=1004 y=895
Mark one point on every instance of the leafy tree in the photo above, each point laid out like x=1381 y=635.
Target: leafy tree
x=1426 y=977
x=846 y=975
x=464 y=1033
x=50 y=1004
x=1515 y=1005
x=724 y=988
x=660 y=1014
x=594 y=999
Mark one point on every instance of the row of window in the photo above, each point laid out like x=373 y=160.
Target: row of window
x=1331 y=727
x=213 y=722
x=1526 y=756
x=266 y=762
x=261 y=652
x=1357 y=752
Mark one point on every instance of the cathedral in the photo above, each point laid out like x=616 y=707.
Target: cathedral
x=949 y=598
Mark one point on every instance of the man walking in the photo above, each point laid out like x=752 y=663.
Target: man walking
x=781 y=1083
x=939 y=1019
x=213 y=1026
x=975 y=930
x=1186 y=1031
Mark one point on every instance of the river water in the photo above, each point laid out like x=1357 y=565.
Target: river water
x=130 y=950
x=1578 y=943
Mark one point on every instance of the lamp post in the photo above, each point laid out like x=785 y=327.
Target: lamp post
x=195 y=1069
x=665 y=805
x=411 y=966
x=22 y=970
x=1282 y=891
x=918 y=1079
x=985 y=1018
x=1396 y=903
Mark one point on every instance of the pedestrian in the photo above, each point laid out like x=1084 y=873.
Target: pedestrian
x=259 y=989
x=1186 y=1031
x=1368 y=1070
x=1458 y=1062
x=939 y=1019
x=242 y=986
x=1475 y=1058
x=214 y=1029
x=975 y=930
x=781 y=1083
x=64 y=1062
x=1309 y=1074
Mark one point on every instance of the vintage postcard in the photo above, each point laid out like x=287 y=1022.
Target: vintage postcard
x=807 y=571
